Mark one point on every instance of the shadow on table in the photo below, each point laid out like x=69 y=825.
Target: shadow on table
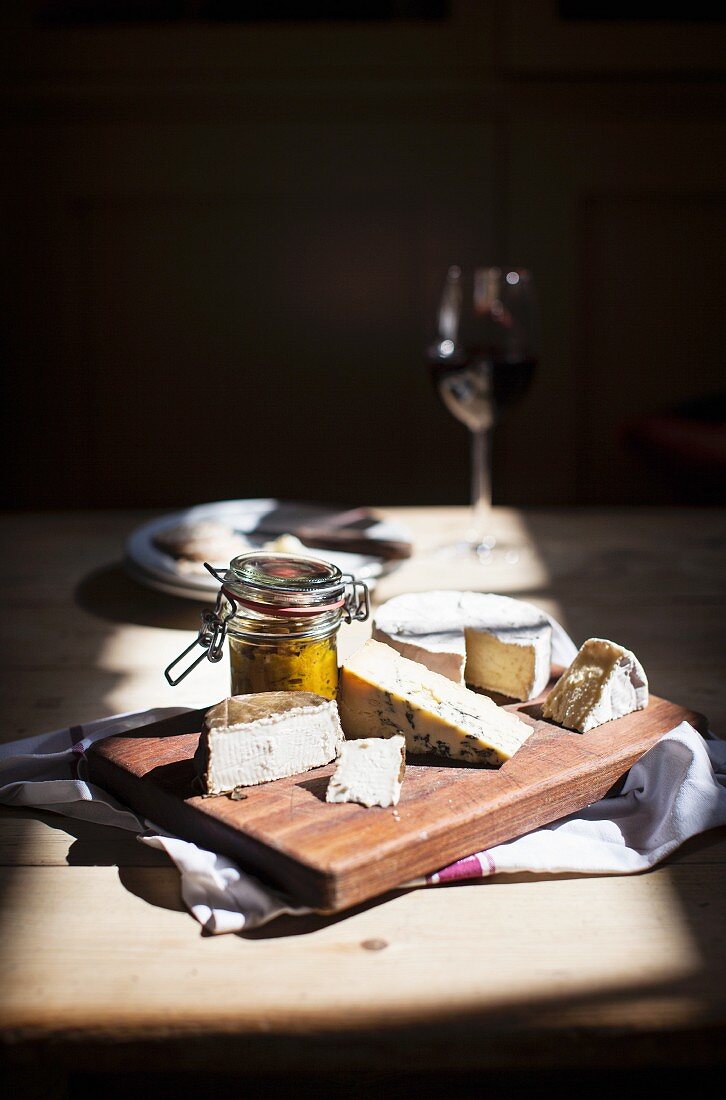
x=111 y=594
x=139 y=866
x=143 y=871
x=149 y=875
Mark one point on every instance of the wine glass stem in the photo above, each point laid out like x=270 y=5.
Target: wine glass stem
x=481 y=486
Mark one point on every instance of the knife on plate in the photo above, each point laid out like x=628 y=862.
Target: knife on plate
x=341 y=531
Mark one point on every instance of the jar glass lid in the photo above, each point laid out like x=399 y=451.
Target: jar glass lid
x=262 y=575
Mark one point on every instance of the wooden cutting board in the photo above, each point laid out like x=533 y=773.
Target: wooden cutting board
x=334 y=856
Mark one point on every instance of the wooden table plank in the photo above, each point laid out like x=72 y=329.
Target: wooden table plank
x=98 y=954
x=84 y=964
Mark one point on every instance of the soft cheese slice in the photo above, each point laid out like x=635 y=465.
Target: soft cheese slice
x=252 y=739
x=382 y=693
x=492 y=642
x=369 y=771
x=604 y=682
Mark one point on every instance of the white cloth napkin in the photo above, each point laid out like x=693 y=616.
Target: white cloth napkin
x=675 y=791
x=678 y=789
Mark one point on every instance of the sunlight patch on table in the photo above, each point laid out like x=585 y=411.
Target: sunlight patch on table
x=516 y=564
x=78 y=945
x=134 y=658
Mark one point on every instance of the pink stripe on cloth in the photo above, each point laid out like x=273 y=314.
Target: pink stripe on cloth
x=492 y=867
x=470 y=867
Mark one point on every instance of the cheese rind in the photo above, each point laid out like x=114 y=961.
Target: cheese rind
x=604 y=682
x=490 y=641
x=369 y=771
x=382 y=693
x=252 y=739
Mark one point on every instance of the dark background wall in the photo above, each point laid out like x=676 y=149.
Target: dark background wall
x=224 y=242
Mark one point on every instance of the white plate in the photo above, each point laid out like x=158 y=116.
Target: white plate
x=151 y=566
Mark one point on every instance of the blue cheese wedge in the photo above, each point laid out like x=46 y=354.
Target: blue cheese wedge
x=489 y=641
x=604 y=682
x=382 y=694
x=251 y=739
x=369 y=771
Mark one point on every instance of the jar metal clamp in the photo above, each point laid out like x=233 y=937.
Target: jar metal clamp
x=270 y=588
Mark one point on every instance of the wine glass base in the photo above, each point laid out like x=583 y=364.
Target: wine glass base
x=486 y=551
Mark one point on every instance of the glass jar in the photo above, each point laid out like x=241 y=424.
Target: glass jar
x=282 y=613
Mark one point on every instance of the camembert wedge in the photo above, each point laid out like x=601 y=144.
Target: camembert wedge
x=486 y=640
x=382 y=694
x=603 y=682
x=251 y=739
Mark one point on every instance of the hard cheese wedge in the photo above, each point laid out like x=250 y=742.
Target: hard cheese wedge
x=492 y=642
x=382 y=693
x=252 y=739
x=369 y=771
x=603 y=682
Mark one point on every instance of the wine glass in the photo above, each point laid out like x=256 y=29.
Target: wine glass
x=482 y=363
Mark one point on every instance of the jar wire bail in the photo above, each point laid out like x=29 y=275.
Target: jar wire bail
x=211 y=634
x=354 y=605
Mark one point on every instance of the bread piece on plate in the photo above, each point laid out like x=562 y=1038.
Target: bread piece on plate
x=206 y=540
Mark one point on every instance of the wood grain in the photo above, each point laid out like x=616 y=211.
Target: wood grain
x=334 y=856
x=99 y=965
x=573 y=959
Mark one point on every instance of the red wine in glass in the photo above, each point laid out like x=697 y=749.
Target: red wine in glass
x=483 y=363
x=477 y=387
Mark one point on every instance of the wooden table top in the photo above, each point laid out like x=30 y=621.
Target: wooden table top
x=101 y=964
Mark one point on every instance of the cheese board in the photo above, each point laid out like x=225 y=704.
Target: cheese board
x=334 y=856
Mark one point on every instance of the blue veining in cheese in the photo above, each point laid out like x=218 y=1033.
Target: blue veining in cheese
x=382 y=693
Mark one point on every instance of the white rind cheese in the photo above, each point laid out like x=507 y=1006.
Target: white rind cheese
x=604 y=682
x=251 y=739
x=492 y=642
x=382 y=693
x=369 y=771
